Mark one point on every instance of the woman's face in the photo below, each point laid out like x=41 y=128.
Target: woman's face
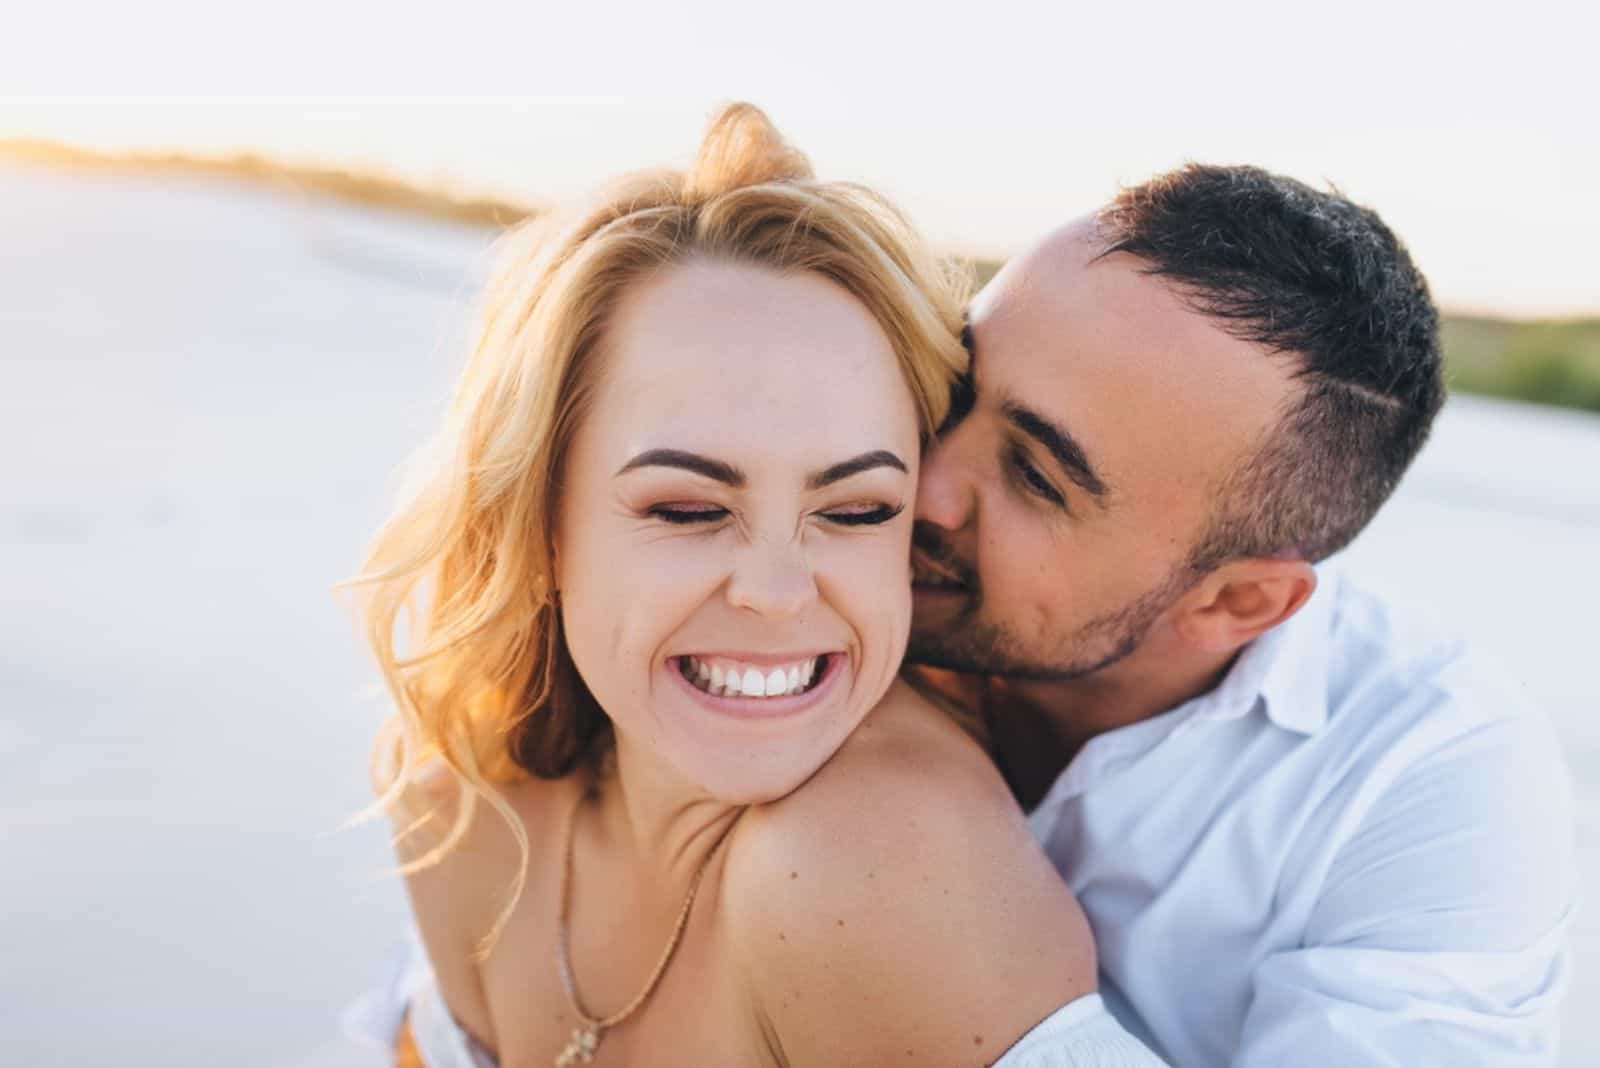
x=734 y=532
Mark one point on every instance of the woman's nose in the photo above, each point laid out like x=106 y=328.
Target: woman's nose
x=773 y=579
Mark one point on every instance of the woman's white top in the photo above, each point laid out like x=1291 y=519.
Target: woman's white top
x=1081 y=1034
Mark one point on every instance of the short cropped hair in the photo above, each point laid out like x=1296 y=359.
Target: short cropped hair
x=1315 y=277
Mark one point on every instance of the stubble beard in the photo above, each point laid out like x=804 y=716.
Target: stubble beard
x=970 y=644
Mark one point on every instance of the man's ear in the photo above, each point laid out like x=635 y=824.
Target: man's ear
x=1241 y=600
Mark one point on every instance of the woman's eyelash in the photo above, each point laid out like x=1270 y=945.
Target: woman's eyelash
x=1031 y=476
x=881 y=514
x=871 y=517
x=688 y=515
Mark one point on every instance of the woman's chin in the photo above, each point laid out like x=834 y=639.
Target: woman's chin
x=752 y=750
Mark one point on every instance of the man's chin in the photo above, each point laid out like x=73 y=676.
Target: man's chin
x=942 y=658
x=938 y=647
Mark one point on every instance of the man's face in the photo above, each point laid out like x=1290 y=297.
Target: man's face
x=1055 y=518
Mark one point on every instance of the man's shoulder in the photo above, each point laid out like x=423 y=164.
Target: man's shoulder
x=1430 y=740
x=1409 y=713
x=1402 y=659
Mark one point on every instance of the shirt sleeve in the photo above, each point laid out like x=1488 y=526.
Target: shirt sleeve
x=1441 y=934
x=1080 y=1034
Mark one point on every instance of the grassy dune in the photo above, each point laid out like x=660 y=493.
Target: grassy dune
x=1551 y=361
x=372 y=189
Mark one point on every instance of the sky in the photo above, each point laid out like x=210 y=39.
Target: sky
x=1475 y=135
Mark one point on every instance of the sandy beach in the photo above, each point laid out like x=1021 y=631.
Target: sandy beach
x=208 y=390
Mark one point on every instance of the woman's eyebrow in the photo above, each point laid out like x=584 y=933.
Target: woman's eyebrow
x=716 y=470
x=865 y=462
x=729 y=475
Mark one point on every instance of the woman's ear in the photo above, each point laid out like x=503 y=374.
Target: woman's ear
x=1243 y=599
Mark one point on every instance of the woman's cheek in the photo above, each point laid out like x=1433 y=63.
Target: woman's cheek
x=869 y=585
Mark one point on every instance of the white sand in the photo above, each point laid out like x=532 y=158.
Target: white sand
x=202 y=388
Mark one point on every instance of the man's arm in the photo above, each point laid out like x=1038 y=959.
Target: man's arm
x=1440 y=936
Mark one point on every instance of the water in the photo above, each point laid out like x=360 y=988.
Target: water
x=202 y=384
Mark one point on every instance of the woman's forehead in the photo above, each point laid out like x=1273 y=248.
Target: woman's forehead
x=713 y=352
x=742 y=319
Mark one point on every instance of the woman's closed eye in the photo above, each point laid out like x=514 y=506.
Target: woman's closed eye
x=862 y=515
x=687 y=513
x=853 y=515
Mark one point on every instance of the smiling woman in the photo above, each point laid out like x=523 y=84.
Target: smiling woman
x=767 y=539
x=656 y=592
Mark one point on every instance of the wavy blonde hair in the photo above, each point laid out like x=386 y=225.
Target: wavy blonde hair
x=485 y=684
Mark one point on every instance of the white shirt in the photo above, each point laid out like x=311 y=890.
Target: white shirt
x=1358 y=850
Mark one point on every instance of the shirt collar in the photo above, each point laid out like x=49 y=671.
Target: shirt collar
x=1284 y=671
x=1286 y=668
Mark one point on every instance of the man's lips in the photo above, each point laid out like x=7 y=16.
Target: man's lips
x=926 y=574
x=935 y=568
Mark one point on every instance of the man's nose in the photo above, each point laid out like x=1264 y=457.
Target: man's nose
x=773 y=579
x=944 y=487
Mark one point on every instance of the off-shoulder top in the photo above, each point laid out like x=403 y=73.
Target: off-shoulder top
x=1080 y=1034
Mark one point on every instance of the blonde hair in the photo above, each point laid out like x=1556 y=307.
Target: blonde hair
x=485 y=684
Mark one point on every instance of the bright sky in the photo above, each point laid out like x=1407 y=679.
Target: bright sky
x=1476 y=136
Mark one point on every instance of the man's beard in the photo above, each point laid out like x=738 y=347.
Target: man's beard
x=970 y=644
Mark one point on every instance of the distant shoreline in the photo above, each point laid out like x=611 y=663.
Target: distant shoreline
x=1547 y=361
x=368 y=188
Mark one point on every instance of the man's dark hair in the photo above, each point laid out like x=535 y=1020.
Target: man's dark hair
x=1316 y=278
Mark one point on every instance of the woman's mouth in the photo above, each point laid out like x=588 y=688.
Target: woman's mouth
x=725 y=677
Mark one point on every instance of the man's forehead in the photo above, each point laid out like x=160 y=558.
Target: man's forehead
x=1122 y=359
x=1037 y=270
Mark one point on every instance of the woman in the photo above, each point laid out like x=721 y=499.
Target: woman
x=659 y=794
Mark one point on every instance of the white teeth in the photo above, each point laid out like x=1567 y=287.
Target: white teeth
x=739 y=681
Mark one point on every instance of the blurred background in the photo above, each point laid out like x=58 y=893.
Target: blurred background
x=238 y=252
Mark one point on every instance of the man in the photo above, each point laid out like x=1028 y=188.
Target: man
x=1306 y=831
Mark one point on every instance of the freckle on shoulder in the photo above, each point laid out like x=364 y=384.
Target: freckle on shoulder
x=878 y=796
x=912 y=735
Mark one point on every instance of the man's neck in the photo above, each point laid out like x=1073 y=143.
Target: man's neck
x=1037 y=729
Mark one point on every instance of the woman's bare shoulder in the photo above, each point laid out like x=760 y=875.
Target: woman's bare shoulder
x=906 y=750
x=904 y=874
x=907 y=764
x=461 y=860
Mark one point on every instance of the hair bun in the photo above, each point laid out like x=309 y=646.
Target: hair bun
x=742 y=147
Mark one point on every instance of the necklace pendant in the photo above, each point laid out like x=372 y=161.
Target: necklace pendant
x=580 y=1047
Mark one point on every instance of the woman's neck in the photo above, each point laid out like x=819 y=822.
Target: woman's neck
x=667 y=826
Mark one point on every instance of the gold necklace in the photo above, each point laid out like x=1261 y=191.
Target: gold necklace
x=585 y=1038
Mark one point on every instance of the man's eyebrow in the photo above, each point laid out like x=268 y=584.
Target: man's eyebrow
x=687 y=461
x=1062 y=445
x=865 y=462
